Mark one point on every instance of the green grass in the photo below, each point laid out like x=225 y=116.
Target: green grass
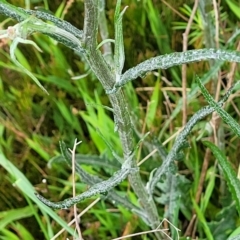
x=32 y=124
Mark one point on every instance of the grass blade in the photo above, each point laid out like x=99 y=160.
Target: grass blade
x=230 y=175
x=25 y=186
x=7 y=217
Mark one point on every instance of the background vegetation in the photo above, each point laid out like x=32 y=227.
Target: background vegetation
x=32 y=123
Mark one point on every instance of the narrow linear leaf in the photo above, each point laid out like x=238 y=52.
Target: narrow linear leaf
x=234 y=6
x=99 y=188
x=153 y=105
x=58 y=22
x=9 y=216
x=119 y=56
x=205 y=79
x=26 y=187
x=202 y=220
x=230 y=175
x=175 y=59
x=180 y=141
x=104 y=42
x=223 y=114
x=12 y=54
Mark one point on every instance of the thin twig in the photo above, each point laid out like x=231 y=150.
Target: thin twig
x=74 y=220
x=203 y=175
x=77 y=221
x=67 y=7
x=216 y=13
x=142 y=133
x=169 y=110
x=142 y=233
x=152 y=231
x=39 y=124
x=184 y=66
x=174 y=10
x=190 y=228
x=147 y=157
x=233 y=68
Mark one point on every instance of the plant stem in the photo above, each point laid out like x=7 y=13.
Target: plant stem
x=119 y=105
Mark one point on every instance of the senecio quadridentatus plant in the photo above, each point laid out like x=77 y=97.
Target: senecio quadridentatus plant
x=112 y=79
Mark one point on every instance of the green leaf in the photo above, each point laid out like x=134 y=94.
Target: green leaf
x=9 y=216
x=60 y=10
x=175 y=59
x=35 y=145
x=211 y=176
x=153 y=105
x=224 y=222
x=234 y=7
x=17 y=63
x=23 y=184
x=8 y=234
x=202 y=220
x=230 y=176
x=22 y=231
x=235 y=234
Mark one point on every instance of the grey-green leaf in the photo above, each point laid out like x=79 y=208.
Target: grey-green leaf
x=223 y=114
x=119 y=56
